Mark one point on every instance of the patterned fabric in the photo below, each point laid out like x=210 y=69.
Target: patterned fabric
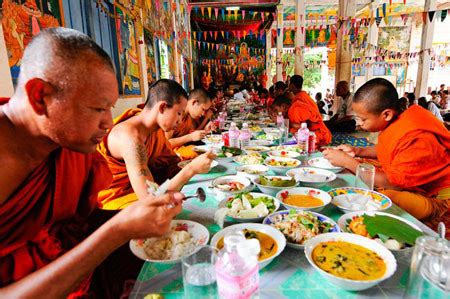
x=339 y=139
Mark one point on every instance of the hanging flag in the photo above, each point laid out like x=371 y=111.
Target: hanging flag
x=202 y=9
x=384 y=9
x=431 y=15
x=443 y=15
x=262 y=16
x=215 y=35
x=235 y=15
x=221 y=32
x=378 y=20
x=238 y=34
x=204 y=35
x=404 y=18
x=227 y=35
x=243 y=15
x=244 y=33
x=211 y=34
x=216 y=13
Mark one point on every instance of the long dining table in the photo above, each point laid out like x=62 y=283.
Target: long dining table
x=289 y=275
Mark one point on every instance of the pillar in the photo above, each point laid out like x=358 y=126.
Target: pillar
x=190 y=44
x=268 y=57
x=279 y=42
x=299 y=37
x=175 y=48
x=424 y=56
x=347 y=9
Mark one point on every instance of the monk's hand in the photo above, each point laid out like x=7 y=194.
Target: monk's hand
x=149 y=216
x=202 y=163
x=198 y=135
x=210 y=127
x=348 y=149
x=338 y=158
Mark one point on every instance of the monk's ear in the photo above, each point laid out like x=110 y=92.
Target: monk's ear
x=37 y=90
x=162 y=107
x=388 y=114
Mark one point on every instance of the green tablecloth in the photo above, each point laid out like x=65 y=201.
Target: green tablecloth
x=289 y=275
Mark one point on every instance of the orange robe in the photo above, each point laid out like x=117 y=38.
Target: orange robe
x=46 y=215
x=162 y=162
x=304 y=109
x=414 y=152
x=186 y=126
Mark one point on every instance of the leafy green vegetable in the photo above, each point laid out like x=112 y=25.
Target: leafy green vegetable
x=254 y=201
x=232 y=150
x=276 y=182
x=392 y=228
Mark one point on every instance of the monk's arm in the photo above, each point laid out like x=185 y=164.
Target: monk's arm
x=381 y=180
x=367 y=152
x=182 y=140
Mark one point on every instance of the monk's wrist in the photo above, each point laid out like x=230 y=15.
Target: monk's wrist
x=351 y=164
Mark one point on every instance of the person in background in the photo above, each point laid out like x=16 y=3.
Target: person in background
x=321 y=103
x=344 y=119
x=411 y=99
x=413 y=149
x=279 y=88
x=403 y=103
x=445 y=101
x=430 y=106
x=435 y=97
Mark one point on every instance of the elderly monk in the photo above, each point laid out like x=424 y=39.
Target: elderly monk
x=49 y=130
x=138 y=153
x=413 y=148
x=305 y=110
x=198 y=104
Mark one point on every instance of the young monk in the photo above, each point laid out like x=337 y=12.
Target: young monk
x=49 y=129
x=413 y=148
x=305 y=110
x=198 y=104
x=137 y=151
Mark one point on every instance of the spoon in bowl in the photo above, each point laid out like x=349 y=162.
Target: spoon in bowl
x=201 y=195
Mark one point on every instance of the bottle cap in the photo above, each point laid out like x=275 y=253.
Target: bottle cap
x=304 y=125
x=232 y=240
x=248 y=248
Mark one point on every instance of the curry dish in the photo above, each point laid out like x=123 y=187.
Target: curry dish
x=347 y=260
x=303 y=201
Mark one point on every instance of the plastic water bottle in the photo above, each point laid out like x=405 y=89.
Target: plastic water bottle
x=233 y=135
x=280 y=120
x=237 y=268
x=245 y=135
x=303 y=138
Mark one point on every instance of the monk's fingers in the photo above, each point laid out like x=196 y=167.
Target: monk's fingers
x=211 y=155
x=170 y=199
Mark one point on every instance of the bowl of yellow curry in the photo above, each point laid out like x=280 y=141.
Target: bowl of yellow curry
x=304 y=199
x=350 y=261
x=271 y=240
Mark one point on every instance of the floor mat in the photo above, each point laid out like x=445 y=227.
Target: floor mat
x=349 y=139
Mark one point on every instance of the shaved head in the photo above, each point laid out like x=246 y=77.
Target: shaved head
x=165 y=90
x=57 y=55
x=200 y=95
x=378 y=95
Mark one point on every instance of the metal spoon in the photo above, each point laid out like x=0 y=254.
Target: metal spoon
x=441 y=230
x=201 y=195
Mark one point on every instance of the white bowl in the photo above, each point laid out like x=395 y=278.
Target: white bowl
x=239 y=159
x=256 y=148
x=269 y=220
x=271 y=190
x=183 y=164
x=312 y=177
x=342 y=222
x=324 y=164
x=284 y=154
x=281 y=170
x=322 y=195
x=262 y=169
x=222 y=194
x=198 y=232
x=341 y=195
x=268 y=230
x=223 y=204
x=348 y=284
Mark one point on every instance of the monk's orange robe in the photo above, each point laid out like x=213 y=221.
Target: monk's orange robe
x=414 y=152
x=46 y=215
x=162 y=162
x=186 y=126
x=304 y=109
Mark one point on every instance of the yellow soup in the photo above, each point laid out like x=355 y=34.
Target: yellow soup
x=304 y=201
x=347 y=260
x=268 y=245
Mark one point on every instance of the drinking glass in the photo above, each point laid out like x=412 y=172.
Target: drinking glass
x=365 y=176
x=286 y=130
x=429 y=275
x=199 y=276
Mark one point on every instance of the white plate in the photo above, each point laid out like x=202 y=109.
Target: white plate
x=312 y=177
x=198 y=232
x=348 y=284
x=266 y=229
x=324 y=164
x=182 y=164
x=284 y=154
x=241 y=170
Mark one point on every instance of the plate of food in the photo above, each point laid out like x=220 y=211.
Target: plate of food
x=229 y=185
x=351 y=199
x=324 y=164
x=249 y=159
x=271 y=240
x=284 y=154
x=272 y=184
x=288 y=147
x=183 y=164
x=352 y=262
x=256 y=148
x=226 y=154
x=304 y=199
x=312 y=177
x=281 y=165
x=252 y=171
x=300 y=226
x=184 y=238
x=393 y=232
x=212 y=139
x=247 y=207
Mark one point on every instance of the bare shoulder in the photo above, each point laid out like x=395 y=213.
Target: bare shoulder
x=123 y=138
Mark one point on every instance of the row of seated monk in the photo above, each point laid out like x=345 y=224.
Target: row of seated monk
x=79 y=185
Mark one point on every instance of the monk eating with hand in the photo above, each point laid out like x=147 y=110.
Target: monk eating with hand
x=49 y=129
x=198 y=105
x=138 y=153
x=413 y=149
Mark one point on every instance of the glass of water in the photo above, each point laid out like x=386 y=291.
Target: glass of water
x=199 y=276
x=365 y=176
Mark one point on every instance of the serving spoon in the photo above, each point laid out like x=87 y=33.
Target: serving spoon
x=201 y=195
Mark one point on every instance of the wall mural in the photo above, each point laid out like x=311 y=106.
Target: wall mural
x=23 y=19
x=130 y=84
x=150 y=56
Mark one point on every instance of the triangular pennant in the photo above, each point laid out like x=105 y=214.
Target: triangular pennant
x=262 y=16
x=235 y=15
x=195 y=10
x=209 y=12
x=443 y=15
x=198 y=44
x=227 y=35
x=204 y=35
x=222 y=33
x=202 y=9
x=431 y=15
x=215 y=35
x=378 y=20
x=195 y=35
x=243 y=15
x=404 y=18
x=216 y=13
x=211 y=34
x=223 y=13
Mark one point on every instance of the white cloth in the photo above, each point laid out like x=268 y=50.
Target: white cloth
x=343 y=107
x=435 y=110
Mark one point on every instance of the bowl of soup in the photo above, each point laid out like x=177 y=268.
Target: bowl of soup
x=304 y=199
x=271 y=240
x=229 y=185
x=281 y=165
x=350 y=261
